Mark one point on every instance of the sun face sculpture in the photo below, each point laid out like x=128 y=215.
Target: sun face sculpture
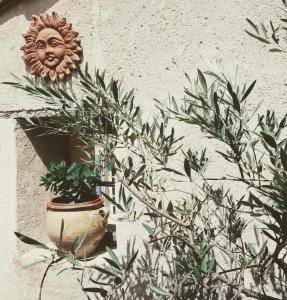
x=52 y=49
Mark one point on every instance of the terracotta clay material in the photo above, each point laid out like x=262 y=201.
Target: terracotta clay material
x=86 y=221
x=52 y=48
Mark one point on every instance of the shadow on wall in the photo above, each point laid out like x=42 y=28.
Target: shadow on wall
x=53 y=148
x=47 y=147
x=11 y=8
x=136 y=288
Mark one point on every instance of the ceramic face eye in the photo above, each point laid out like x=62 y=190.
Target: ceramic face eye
x=54 y=42
x=40 y=45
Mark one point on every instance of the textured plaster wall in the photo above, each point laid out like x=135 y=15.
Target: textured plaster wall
x=151 y=44
x=8 y=220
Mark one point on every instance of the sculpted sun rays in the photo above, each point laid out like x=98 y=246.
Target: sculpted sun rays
x=52 y=49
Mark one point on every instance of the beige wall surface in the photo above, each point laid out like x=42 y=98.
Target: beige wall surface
x=150 y=44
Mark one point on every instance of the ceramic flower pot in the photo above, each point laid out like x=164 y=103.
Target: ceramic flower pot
x=86 y=221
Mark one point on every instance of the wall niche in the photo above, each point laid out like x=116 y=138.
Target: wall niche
x=35 y=151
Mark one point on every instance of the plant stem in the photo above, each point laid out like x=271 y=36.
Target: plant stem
x=242 y=289
x=172 y=236
x=237 y=179
x=239 y=269
x=142 y=198
x=44 y=277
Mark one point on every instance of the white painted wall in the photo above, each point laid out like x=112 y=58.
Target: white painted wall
x=8 y=219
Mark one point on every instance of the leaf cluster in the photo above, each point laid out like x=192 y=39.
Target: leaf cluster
x=71 y=184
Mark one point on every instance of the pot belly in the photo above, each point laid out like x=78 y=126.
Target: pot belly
x=88 y=226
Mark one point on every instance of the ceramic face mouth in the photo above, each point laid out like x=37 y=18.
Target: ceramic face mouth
x=51 y=60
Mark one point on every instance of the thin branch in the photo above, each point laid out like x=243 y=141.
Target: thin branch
x=239 y=269
x=81 y=284
x=274 y=255
x=44 y=276
x=172 y=236
x=242 y=289
x=237 y=179
x=281 y=264
x=219 y=276
x=142 y=199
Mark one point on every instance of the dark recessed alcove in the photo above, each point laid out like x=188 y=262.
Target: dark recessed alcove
x=35 y=151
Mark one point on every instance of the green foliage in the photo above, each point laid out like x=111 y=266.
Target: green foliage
x=194 y=161
x=71 y=184
x=27 y=240
x=192 y=231
x=269 y=33
x=116 y=274
x=198 y=222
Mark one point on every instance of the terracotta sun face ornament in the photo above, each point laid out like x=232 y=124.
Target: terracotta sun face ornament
x=52 y=49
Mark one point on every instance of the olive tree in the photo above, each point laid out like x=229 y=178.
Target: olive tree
x=197 y=247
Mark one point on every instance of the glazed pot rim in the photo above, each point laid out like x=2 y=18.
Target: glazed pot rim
x=89 y=205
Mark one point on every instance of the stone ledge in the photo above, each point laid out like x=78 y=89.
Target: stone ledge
x=28 y=113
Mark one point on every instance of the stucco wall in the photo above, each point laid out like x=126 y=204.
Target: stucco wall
x=151 y=44
x=8 y=220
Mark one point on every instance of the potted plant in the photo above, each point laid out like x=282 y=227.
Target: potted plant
x=76 y=217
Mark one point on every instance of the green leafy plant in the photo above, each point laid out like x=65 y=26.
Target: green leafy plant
x=190 y=232
x=197 y=246
x=71 y=184
x=116 y=272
